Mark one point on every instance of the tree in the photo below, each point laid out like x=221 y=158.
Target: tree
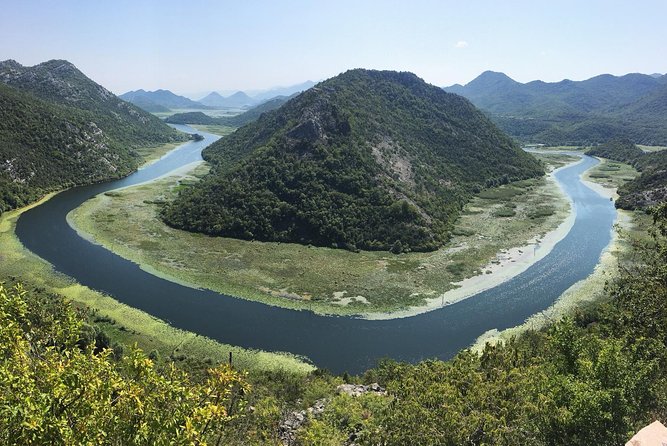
x=52 y=391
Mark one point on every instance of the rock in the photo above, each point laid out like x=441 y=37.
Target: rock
x=360 y=389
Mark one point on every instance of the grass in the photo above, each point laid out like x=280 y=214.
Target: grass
x=131 y=325
x=611 y=174
x=555 y=160
x=320 y=279
x=561 y=148
x=150 y=154
x=221 y=130
x=651 y=148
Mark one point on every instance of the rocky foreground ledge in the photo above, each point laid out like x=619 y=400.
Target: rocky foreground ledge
x=293 y=421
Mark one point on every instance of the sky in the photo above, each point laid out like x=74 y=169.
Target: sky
x=196 y=46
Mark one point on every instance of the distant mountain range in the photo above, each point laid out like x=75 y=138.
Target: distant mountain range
x=574 y=112
x=159 y=100
x=165 y=101
x=232 y=121
x=283 y=91
x=365 y=160
x=59 y=128
x=237 y=100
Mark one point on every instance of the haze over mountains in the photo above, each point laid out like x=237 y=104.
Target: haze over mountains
x=239 y=120
x=367 y=159
x=159 y=100
x=165 y=100
x=59 y=128
x=574 y=112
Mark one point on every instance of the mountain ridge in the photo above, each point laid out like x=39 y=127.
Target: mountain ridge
x=159 y=100
x=59 y=128
x=570 y=112
x=365 y=160
x=238 y=99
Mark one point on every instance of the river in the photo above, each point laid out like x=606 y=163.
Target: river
x=336 y=343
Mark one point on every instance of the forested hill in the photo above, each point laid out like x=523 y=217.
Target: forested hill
x=58 y=128
x=574 y=112
x=367 y=159
x=232 y=121
x=650 y=188
x=60 y=82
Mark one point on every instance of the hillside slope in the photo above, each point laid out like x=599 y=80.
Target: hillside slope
x=58 y=128
x=367 y=159
x=159 y=100
x=573 y=112
x=60 y=82
x=650 y=188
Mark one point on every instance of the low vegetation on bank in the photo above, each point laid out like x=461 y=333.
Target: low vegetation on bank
x=321 y=279
x=120 y=322
x=593 y=378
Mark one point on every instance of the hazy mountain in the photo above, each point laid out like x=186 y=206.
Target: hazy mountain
x=232 y=121
x=238 y=99
x=283 y=91
x=159 y=100
x=59 y=128
x=60 y=82
x=573 y=112
x=367 y=159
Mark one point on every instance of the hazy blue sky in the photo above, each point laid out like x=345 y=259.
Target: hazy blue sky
x=194 y=46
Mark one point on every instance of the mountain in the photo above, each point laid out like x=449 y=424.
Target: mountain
x=61 y=83
x=59 y=128
x=283 y=91
x=367 y=159
x=159 y=100
x=193 y=118
x=647 y=190
x=149 y=106
x=232 y=121
x=238 y=99
x=650 y=188
x=569 y=112
x=622 y=150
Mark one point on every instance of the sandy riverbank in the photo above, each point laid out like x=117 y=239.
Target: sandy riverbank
x=585 y=291
x=506 y=265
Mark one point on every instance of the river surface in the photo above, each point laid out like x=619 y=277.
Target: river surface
x=336 y=343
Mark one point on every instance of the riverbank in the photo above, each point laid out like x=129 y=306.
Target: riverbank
x=507 y=264
x=17 y=264
x=331 y=281
x=605 y=178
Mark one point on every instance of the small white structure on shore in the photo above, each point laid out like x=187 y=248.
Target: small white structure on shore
x=655 y=434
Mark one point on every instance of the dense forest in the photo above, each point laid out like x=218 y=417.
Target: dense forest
x=574 y=112
x=595 y=377
x=650 y=188
x=365 y=160
x=58 y=128
x=231 y=121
